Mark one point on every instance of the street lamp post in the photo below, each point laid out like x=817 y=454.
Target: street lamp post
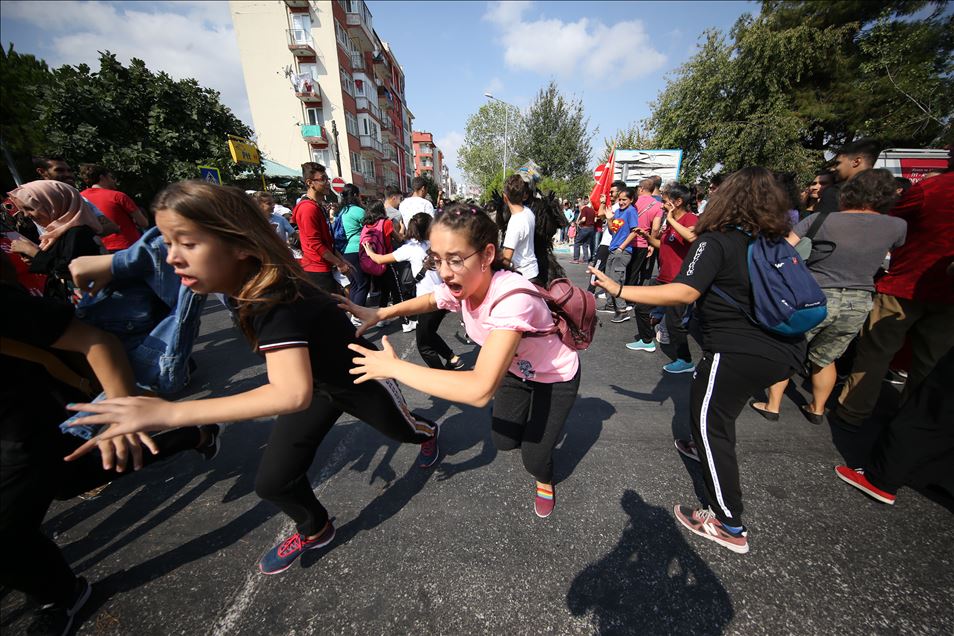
x=506 y=122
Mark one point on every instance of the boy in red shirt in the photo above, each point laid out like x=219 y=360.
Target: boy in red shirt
x=117 y=206
x=317 y=246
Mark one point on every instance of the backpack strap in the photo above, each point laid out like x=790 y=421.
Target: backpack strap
x=724 y=296
x=530 y=292
x=53 y=365
x=816 y=225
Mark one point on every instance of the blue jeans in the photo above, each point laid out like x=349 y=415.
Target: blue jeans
x=585 y=239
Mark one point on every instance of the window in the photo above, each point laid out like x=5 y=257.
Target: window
x=313 y=117
x=356 y=162
x=359 y=88
x=368 y=168
x=342 y=36
x=301 y=22
x=347 y=83
x=320 y=155
x=351 y=124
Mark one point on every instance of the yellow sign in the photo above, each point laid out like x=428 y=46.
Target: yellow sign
x=244 y=151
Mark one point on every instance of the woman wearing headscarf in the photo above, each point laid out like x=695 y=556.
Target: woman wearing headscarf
x=67 y=228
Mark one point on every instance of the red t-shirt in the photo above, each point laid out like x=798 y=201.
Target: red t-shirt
x=314 y=234
x=587 y=217
x=673 y=248
x=119 y=209
x=918 y=269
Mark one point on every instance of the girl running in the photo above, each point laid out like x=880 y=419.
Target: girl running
x=218 y=242
x=414 y=251
x=533 y=381
x=739 y=358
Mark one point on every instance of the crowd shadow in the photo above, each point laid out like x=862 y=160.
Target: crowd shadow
x=652 y=582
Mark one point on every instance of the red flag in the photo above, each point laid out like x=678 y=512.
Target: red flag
x=600 y=193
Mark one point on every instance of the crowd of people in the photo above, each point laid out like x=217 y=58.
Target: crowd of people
x=97 y=300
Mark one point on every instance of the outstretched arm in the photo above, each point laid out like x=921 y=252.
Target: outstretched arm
x=659 y=295
x=474 y=388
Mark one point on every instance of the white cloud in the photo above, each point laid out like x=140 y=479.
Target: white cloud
x=184 y=39
x=450 y=144
x=586 y=48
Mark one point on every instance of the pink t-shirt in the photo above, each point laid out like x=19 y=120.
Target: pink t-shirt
x=545 y=359
x=648 y=209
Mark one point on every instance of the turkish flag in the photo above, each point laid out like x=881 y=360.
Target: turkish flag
x=601 y=191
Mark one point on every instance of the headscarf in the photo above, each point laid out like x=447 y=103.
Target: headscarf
x=66 y=207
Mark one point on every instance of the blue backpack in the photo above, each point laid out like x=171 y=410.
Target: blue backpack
x=338 y=235
x=786 y=298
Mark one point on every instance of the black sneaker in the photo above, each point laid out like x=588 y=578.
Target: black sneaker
x=618 y=318
x=210 y=450
x=455 y=366
x=58 y=619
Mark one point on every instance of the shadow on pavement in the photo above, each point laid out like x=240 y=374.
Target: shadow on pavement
x=582 y=430
x=652 y=582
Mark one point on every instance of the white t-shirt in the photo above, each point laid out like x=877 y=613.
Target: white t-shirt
x=519 y=238
x=414 y=205
x=607 y=236
x=415 y=253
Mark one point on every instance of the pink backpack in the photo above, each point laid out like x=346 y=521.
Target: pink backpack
x=373 y=234
x=573 y=309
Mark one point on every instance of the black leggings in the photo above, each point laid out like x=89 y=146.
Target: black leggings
x=283 y=473
x=530 y=416
x=32 y=475
x=721 y=386
x=390 y=288
x=429 y=344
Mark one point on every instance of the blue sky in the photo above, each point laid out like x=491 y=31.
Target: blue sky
x=616 y=60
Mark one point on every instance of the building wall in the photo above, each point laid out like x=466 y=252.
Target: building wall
x=261 y=28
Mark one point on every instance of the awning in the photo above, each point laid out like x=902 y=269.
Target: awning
x=275 y=169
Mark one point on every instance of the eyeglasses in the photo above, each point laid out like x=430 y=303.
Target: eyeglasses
x=456 y=263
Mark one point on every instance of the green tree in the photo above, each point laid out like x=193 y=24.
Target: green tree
x=149 y=129
x=802 y=78
x=23 y=80
x=634 y=137
x=481 y=156
x=555 y=135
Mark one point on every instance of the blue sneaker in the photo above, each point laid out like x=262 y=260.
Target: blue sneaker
x=639 y=345
x=281 y=557
x=679 y=366
x=429 y=453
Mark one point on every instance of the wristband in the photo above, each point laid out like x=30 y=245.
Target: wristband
x=620 y=292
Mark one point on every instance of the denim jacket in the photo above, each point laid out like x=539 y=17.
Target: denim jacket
x=155 y=316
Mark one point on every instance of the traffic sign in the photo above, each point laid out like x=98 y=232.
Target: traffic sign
x=210 y=174
x=599 y=172
x=337 y=184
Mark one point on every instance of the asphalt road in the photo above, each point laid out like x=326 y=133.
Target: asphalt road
x=458 y=550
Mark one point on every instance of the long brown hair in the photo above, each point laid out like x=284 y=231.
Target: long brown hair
x=229 y=214
x=750 y=199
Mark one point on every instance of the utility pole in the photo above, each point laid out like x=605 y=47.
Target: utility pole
x=334 y=133
x=506 y=131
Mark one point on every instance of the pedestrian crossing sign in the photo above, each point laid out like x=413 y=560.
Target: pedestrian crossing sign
x=210 y=175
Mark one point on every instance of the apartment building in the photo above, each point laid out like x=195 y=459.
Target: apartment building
x=428 y=158
x=323 y=86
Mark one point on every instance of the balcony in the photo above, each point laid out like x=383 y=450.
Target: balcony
x=359 y=23
x=382 y=70
x=306 y=88
x=314 y=135
x=367 y=141
x=296 y=4
x=300 y=43
x=357 y=61
x=366 y=105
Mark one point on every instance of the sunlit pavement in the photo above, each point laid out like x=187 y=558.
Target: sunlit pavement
x=458 y=550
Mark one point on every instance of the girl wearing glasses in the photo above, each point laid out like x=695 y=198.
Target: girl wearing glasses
x=532 y=380
x=218 y=242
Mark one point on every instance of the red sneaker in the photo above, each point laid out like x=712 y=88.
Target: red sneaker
x=544 y=501
x=856 y=477
x=704 y=523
